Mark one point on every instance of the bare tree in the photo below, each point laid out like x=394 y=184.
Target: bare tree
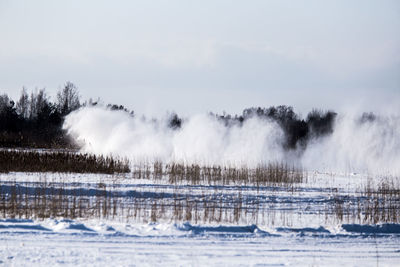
x=23 y=104
x=5 y=103
x=38 y=101
x=68 y=99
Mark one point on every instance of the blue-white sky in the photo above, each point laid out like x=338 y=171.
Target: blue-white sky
x=208 y=55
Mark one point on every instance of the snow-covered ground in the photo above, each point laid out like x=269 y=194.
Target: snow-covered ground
x=65 y=242
x=292 y=227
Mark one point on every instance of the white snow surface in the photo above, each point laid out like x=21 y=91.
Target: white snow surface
x=307 y=239
x=95 y=243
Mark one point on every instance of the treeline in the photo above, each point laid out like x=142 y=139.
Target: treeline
x=35 y=121
x=298 y=131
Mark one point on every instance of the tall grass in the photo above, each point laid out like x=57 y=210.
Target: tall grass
x=47 y=201
x=196 y=193
x=196 y=204
x=271 y=174
x=59 y=161
x=371 y=205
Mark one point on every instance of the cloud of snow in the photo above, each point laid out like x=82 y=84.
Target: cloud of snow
x=201 y=138
x=368 y=146
x=371 y=146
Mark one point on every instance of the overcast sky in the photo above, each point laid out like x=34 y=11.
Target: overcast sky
x=195 y=56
